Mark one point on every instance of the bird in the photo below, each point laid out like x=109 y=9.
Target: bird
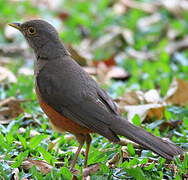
x=74 y=102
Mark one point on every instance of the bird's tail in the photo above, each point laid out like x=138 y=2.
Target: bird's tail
x=163 y=148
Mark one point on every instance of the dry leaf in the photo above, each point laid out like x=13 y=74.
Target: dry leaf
x=91 y=169
x=129 y=98
x=152 y=96
x=42 y=166
x=10 y=108
x=51 y=5
x=125 y=142
x=145 y=23
x=124 y=151
x=108 y=62
x=117 y=73
x=10 y=32
x=63 y=15
x=5 y=61
x=143 y=111
x=177 y=93
x=6 y=75
x=156 y=113
x=25 y=71
x=147 y=7
x=142 y=55
x=113 y=161
x=170 y=124
x=91 y=70
x=15 y=174
x=174 y=46
x=119 y=8
x=175 y=6
x=126 y=33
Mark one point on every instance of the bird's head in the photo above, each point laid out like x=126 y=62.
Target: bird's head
x=41 y=36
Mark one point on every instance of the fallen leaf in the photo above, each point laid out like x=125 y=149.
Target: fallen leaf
x=63 y=15
x=177 y=93
x=156 y=112
x=91 y=169
x=15 y=174
x=147 y=7
x=6 y=75
x=42 y=166
x=51 y=5
x=119 y=8
x=129 y=98
x=90 y=70
x=175 y=6
x=125 y=153
x=10 y=108
x=113 y=161
x=143 y=111
x=145 y=23
x=117 y=73
x=152 y=96
x=142 y=55
x=10 y=33
x=124 y=142
x=108 y=62
x=178 y=45
x=26 y=71
x=170 y=124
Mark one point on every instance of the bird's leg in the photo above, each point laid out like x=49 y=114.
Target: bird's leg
x=88 y=142
x=81 y=139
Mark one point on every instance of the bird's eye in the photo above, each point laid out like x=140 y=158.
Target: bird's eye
x=31 y=30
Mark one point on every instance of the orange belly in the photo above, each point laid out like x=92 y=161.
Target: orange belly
x=59 y=122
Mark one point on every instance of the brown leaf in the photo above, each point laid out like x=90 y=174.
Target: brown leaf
x=125 y=153
x=63 y=15
x=108 y=62
x=91 y=169
x=42 y=166
x=143 y=111
x=129 y=98
x=170 y=124
x=114 y=160
x=156 y=113
x=10 y=108
x=177 y=93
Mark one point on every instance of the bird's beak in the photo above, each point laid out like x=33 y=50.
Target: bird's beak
x=15 y=25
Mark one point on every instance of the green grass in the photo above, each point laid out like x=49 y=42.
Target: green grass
x=96 y=17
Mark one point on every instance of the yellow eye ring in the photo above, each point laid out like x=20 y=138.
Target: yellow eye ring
x=31 y=30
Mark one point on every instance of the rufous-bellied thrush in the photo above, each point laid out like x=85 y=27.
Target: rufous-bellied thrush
x=73 y=101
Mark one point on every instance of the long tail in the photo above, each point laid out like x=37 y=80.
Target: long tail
x=161 y=147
